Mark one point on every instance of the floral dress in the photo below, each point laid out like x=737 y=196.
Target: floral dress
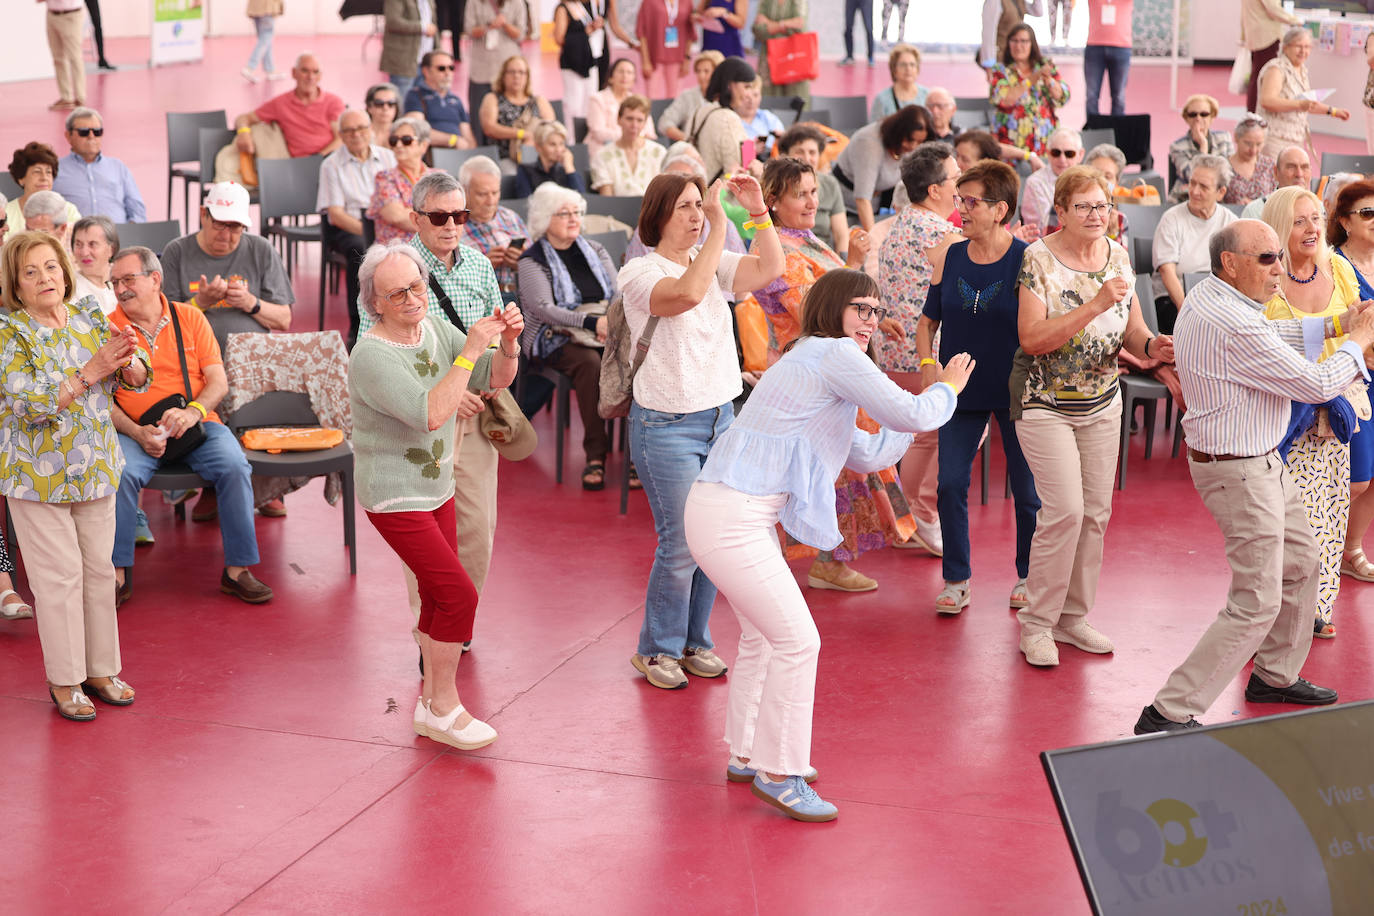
x=391 y=184
x=871 y=508
x=1080 y=377
x=1261 y=183
x=904 y=272
x=1027 y=122
x=57 y=455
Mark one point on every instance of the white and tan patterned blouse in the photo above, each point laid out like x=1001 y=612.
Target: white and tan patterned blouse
x=1286 y=128
x=611 y=166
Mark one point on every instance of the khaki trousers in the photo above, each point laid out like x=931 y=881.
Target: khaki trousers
x=68 y=548
x=1073 y=459
x=64 y=40
x=1270 y=606
x=474 y=503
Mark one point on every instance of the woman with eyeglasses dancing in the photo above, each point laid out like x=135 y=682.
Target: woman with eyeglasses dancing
x=1026 y=93
x=1350 y=231
x=410 y=378
x=774 y=465
x=1077 y=309
x=1200 y=140
x=973 y=305
x=390 y=206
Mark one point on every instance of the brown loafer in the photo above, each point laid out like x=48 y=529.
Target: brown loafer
x=116 y=692
x=206 y=508
x=275 y=508
x=245 y=588
x=71 y=708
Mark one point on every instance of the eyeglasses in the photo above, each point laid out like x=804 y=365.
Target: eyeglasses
x=117 y=282
x=441 y=217
x=398 y=296
x=1083 y=210
x=443 y=68
x=1364 y=213
x=571 y=214
x=1190 y=115
x=963 y=200
x=405 y=140
x=220 y=225
x=1064 y=153
x=1267 y=258
x=383 y=103
x=866 y=311
x=87 y=131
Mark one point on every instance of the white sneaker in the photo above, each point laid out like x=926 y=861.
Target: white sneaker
x=1083 y=635
x=468 y=738
x=1040 y=650
x=929 y=535
x=248 y=75
x=421 y=710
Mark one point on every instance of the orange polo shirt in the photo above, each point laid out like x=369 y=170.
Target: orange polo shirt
x=202 y=350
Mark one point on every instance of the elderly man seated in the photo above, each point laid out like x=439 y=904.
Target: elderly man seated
x=46 y=211
x=492 y=229
x=432 y=98
x=347 y=177
x=941 y=105
x=1293 y=169
x=97 y=184
x=1183 y=233
x=148 y=429
x=1065 y=148
x=307 y=116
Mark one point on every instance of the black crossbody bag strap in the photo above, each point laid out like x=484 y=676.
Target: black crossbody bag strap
x=446 y=305
x=181 y=353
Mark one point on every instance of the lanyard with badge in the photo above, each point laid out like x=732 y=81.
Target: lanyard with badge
x=1108 y=12
x=670 y=38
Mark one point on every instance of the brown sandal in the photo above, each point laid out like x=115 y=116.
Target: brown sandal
x=71 y=708
x=116 y=692
x=1356 y=565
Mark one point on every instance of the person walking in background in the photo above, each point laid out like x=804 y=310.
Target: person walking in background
x=64 y=41
x=779 y=19
x=1262 y=24
x=264 y=14
x=1108 y=52
x=863 y=9
x=98 y=34
x=408 y=37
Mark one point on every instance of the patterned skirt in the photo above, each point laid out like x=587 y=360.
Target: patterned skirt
x=1320 y=466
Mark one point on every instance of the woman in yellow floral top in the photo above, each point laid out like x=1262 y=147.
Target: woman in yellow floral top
x=60 y=362
x=1077 y=310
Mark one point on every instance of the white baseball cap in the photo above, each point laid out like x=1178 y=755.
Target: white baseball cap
x=228 y=202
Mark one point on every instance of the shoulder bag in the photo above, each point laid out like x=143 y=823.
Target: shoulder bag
x=187 y=442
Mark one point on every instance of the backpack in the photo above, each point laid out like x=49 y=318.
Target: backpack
x=620 y=361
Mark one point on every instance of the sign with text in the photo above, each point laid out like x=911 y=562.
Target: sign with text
x=1264 y=817
x=178 y=33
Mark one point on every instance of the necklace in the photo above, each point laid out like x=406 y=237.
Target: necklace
x=1308 y=280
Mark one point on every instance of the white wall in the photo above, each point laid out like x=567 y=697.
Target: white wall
x=26 y=55
x=133 y=18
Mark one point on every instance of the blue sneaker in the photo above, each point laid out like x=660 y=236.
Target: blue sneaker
x=794 y=798
x=142 y=533
x=736 y=771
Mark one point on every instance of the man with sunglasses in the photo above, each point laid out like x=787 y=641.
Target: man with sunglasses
x=347 y=178
x=432 y=98
x=1240 y=374
x=96 y=184
x=462 y=286
x=1065 y=148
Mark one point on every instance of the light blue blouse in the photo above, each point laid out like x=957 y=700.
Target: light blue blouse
x=797 y=431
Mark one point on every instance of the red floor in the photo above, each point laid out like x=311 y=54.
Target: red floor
x=269 y=764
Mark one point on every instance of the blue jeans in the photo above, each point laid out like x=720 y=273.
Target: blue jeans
x=262 y=51
x=1117 y=64
x=865 y=9
x=220 y=460
x=402 y=84
x=669 y=450
x=958 y=447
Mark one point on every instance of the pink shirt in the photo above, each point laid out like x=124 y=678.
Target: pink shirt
x=1109 y=23
x=307 y=126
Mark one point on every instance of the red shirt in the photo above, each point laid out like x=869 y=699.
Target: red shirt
x=307 y=126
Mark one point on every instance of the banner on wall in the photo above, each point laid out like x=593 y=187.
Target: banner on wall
x=178 y=33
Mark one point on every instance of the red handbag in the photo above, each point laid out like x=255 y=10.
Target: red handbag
x=794 y=58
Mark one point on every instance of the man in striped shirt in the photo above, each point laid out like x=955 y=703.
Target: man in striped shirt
x=1240 y=373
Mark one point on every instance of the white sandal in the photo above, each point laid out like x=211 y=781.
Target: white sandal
x=958 y=594
x=20 y=611
x=1019 y=589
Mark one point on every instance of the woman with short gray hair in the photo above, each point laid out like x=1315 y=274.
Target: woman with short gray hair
x=94 y=243
x=46 y=211
x=392 y=188
x=409 y=378
x=1285 y=96
x=1252 y=171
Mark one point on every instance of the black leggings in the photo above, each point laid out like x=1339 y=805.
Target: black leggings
x=93 y=7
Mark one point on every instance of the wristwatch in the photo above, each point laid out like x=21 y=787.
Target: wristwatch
x=257 y=306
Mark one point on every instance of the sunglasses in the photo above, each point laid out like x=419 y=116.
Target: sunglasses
x=441 y=217
x=1266 y=258
x=866 y=311
x=1190 y=115
x=1063 y=153
x=87 y=131
x=387 y=103
x=443 y=68
x=1364 y=213
x=406 y=140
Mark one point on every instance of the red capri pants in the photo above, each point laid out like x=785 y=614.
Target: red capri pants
x=427 y=542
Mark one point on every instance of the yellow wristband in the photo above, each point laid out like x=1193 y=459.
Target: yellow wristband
x=452 y=140
x=244 y=130
x=927 y=362
x=1336 y=322
x=201 y=407
x=520 y=134
x=463 y=362
x=765 y=224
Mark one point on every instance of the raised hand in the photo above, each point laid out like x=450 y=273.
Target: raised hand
x=956 y=372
